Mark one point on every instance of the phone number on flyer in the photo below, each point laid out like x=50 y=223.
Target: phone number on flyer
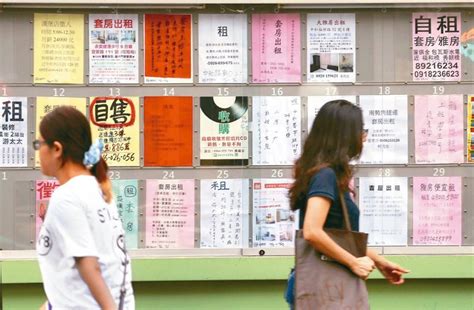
x=119 y=157
x=436 y=74
x=436 y=65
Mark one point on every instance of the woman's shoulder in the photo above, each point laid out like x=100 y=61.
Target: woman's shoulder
x=323 y=183
x=75 y=189
x=325 y=173
x=325 y=177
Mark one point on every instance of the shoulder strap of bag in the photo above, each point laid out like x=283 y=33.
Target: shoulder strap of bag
x=345 y=214
x=123 y=287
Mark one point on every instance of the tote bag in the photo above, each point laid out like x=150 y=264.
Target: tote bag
x=322 y=283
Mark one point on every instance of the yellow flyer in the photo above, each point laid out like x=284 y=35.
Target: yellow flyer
x=44 y=105
x=58 y=48
x=115 y=120
x=470 y=128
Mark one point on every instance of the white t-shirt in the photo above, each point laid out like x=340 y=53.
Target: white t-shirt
x=80 y=223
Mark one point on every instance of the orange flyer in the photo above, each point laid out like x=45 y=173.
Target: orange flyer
x=168 y=131
x=168 y=46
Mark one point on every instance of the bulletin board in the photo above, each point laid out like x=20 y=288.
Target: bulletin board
x=214 y=104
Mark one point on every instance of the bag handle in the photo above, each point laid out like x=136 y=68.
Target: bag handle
x=345 y=214
x=123 y=287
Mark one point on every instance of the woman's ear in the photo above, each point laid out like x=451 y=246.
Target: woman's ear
x=57 y=149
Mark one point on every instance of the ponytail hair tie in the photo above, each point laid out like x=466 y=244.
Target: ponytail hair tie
x=92 y=156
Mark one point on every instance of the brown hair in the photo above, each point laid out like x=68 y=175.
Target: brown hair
x=334 y=140
x=70 y=127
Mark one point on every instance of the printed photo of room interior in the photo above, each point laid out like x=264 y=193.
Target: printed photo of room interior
x=335 y=62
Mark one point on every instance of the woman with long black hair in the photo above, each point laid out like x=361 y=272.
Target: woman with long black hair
x=321 y=173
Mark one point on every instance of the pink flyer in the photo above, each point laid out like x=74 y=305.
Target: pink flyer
x=439 y=132
x=437 y=210
x=169 y=214
x=44 y=190
x=276 y=48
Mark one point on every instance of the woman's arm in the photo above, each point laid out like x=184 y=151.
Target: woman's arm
x=391 y=271
x=90 y=272
x=317 y=210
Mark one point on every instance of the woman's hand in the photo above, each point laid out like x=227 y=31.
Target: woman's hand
x=362 y=267
x=44 y=306
x=391 y=271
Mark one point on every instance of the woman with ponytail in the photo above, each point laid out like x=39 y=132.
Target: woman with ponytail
x=81 y=247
